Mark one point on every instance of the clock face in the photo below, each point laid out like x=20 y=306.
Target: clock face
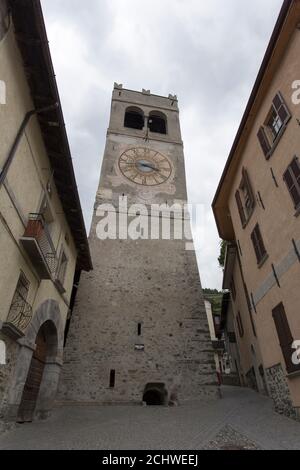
x=145 y=166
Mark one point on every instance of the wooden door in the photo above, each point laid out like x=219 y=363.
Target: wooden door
x=33 y=381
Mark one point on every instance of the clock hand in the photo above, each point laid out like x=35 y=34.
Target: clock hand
x=149 y=166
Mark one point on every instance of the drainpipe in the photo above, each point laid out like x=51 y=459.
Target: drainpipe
x=12 y=152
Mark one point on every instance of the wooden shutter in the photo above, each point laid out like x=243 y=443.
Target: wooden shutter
x=285 y=337
x=281 y=108
x=233 y=289
x=292 y=180
x=240 y=208
x=240 y=324
x=263 y=140
x=248 y=186
x=258 y=244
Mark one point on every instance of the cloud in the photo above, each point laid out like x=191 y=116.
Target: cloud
x=208 y=53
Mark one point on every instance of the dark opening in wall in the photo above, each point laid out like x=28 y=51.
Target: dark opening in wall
x=139 y=329
x=112 y=378
x=157 y=122
x=155 y=394
x=134 y=118
x=153 y=398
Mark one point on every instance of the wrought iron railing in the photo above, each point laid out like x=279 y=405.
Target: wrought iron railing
x=37 y=228
x=20 y=312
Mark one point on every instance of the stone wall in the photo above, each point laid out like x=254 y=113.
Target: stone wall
x=132 y=284
x=280 y=393
x=6 y=371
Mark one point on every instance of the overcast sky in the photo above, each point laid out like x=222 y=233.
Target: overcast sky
x=206 y=52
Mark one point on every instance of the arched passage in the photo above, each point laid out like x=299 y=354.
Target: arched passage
x=47 y=320
x=46 y=347
x=155 y=394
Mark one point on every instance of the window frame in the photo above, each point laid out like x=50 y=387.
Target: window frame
x=61 y=277
x=296 y=182
x=244 y=195
x=259 y=245
x=267 y=138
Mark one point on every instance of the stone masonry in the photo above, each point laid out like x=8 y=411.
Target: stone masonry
x=140 y=314
x=280 y=393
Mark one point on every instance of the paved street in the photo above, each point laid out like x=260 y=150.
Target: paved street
x=241 y=419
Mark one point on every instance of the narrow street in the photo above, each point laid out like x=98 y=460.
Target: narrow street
x=242 y=419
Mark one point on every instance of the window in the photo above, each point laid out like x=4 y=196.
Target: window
x=245 y=199
x=62 y=267
x=157 y=122
x=292 y=180
x=134 y=118
x=278 y=116
x=285 y=337
x=258 y=245
x=233 y=289
x=139 y=329
x=274 y=123
x=231 y=337
x=112 y=378
x=240 y=324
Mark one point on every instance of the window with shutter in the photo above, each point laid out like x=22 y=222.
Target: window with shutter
x=248 y=197
x=281 y=109
x=285 y=337
x=245 y=198
x=240 y=207
x=258 y=244
x=292 y=180
x=274 y=125
x=264 y=143
x=240 y=324
x=233 y=289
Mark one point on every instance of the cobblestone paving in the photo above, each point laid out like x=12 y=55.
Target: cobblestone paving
x=229 y=439
x=241 y=419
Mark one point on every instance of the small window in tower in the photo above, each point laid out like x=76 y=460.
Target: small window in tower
x=157 y=122
x=139 y=329
x=134 y=118
x=112 y=378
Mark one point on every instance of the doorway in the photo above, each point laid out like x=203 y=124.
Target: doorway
x=155 y=394
x=46 y=345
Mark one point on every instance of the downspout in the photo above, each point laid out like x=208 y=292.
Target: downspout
x=12 y=152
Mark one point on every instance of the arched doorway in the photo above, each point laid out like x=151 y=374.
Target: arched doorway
x=155 y=394
x=46 y=346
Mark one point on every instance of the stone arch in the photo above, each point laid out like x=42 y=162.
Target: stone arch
x=134 y=118
x=155 y=394
x=157 y=122
x=47 y=316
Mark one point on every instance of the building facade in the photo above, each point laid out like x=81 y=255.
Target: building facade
x=217 y=344
x=139 y=330
x=43 y=241
x=257 y=207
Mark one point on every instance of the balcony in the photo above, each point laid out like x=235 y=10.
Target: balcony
x=38 y=245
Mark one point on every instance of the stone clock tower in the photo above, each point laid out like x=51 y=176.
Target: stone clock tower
x=139 y=330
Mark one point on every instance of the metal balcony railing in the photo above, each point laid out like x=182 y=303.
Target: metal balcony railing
x=39 y=246
x=20 y=312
